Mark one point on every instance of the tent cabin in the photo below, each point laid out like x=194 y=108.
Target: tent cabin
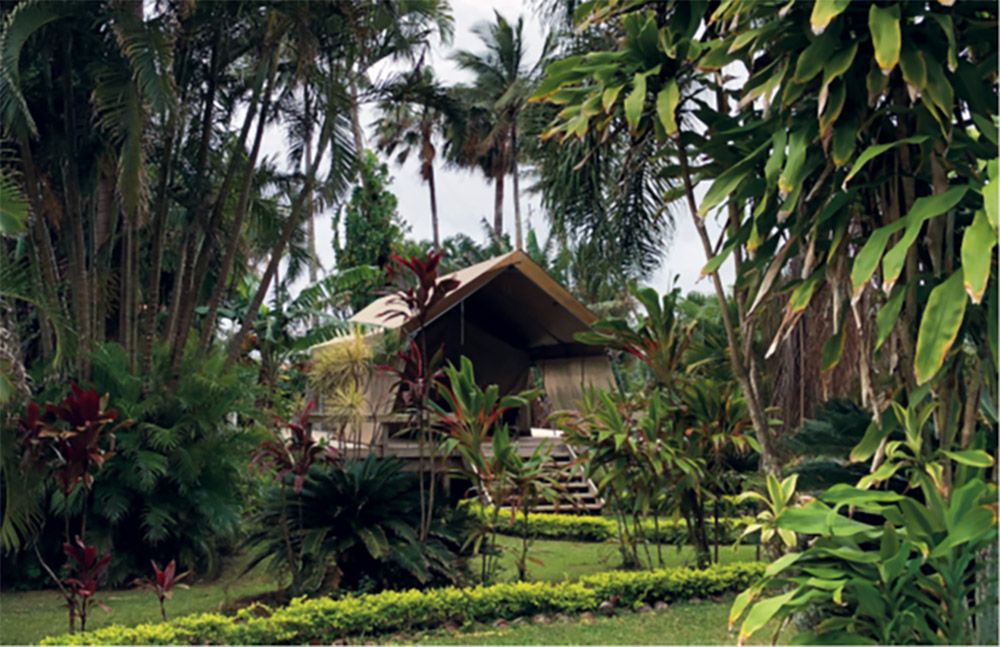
x=517 y=325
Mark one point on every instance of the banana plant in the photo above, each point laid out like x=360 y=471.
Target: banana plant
x=776 y=502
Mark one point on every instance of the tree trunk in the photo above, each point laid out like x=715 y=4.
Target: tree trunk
x=310 y=215
x=242 y=206
x=769 y=461
x=518 y=237
x=498 y=206
x=294 y=218
x=434 y=209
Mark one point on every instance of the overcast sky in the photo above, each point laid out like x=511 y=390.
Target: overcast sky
x=465 y=198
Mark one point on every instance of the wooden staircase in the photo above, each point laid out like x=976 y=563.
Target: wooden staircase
x=577 y=493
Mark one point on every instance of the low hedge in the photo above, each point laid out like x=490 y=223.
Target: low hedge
x=328 y=619
x=572 y=527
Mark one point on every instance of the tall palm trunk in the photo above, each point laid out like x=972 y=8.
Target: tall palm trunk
x=310 y=214
x=434 y=209
x=498 y=203
x=518 y=237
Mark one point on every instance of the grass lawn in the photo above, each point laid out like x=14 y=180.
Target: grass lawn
x=681 y=624
x=26 y=617
x=560 y=560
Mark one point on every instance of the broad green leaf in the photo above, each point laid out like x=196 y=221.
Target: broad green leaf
x=824 y=11
x=814 y=57
x=923 y=209
x=939 y=89
x=666 y=106
x=777 y=158
x=740 y=604
x=944 y=20
x=872 y=152
x=870 y=442
x=839 y=63
x=797 y=150
x=978 y=242
x=635 y=100
x=971 y=457
x=833 y=350
x=991 y=193
x=887 y=316
x=728 y=180
x=803 y=293
x=716 y=262
x=976 y=527
x=886 y=37
x=781 y=564
x=762 y=612
x=939 y=326
x=914 y=68
x=834 y=106
x=609 y=97
x=844 y=135
x=870 y=254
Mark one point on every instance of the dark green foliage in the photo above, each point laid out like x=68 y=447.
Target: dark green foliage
x=176 y=484
x=359 y=524
x=823 y=444
x=372 y=227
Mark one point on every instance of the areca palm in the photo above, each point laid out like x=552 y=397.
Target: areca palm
x=496 y=103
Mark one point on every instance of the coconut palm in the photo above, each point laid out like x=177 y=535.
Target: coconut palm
x=414 y=112
x=496 y=103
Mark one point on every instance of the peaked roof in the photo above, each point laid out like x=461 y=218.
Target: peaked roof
x=474 y=277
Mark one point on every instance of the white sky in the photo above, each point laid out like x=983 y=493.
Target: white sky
x=465 y=198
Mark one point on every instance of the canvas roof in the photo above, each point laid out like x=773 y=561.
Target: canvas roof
x=512 y=297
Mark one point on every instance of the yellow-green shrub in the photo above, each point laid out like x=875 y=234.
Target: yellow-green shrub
x=326 y=619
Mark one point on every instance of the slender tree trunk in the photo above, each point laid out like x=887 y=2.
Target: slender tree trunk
x=222 y=280
x=498 y=206
x=291 y=224
x=769 y=463
x=518 y=236
x=310 y=215
x=434 y=208
x=197 y=261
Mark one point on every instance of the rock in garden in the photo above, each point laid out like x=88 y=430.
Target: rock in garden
x=661 y=605
x=541 y=619
x=450 y=627
x=696 y=600
x=586 y=616
x=607 y=608
x=520 y=620
x=501 y=623
x=645 y=609
x=562 y=617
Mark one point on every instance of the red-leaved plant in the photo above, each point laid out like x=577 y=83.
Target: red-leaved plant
x=295 y=454
x=416 y=290
x=163 y=584
x=68 y=442
x=85 y=569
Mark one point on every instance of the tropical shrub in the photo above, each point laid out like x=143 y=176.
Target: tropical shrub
x=163 y=583
x=354 y=526
x=325 y=619
x=177 y=483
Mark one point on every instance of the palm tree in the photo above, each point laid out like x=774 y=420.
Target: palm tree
x=414 y=112
x=496 y=102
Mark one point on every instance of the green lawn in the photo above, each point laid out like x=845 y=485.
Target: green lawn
x=29 y=616
x=572 y=559
x=681 y=624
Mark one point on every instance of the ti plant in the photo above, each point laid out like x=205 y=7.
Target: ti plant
x=66 y=444
x=471 y=418
x=290 y=459
x=418 y=289
x=85 y=569
x=163 y=583
x=776 y=503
